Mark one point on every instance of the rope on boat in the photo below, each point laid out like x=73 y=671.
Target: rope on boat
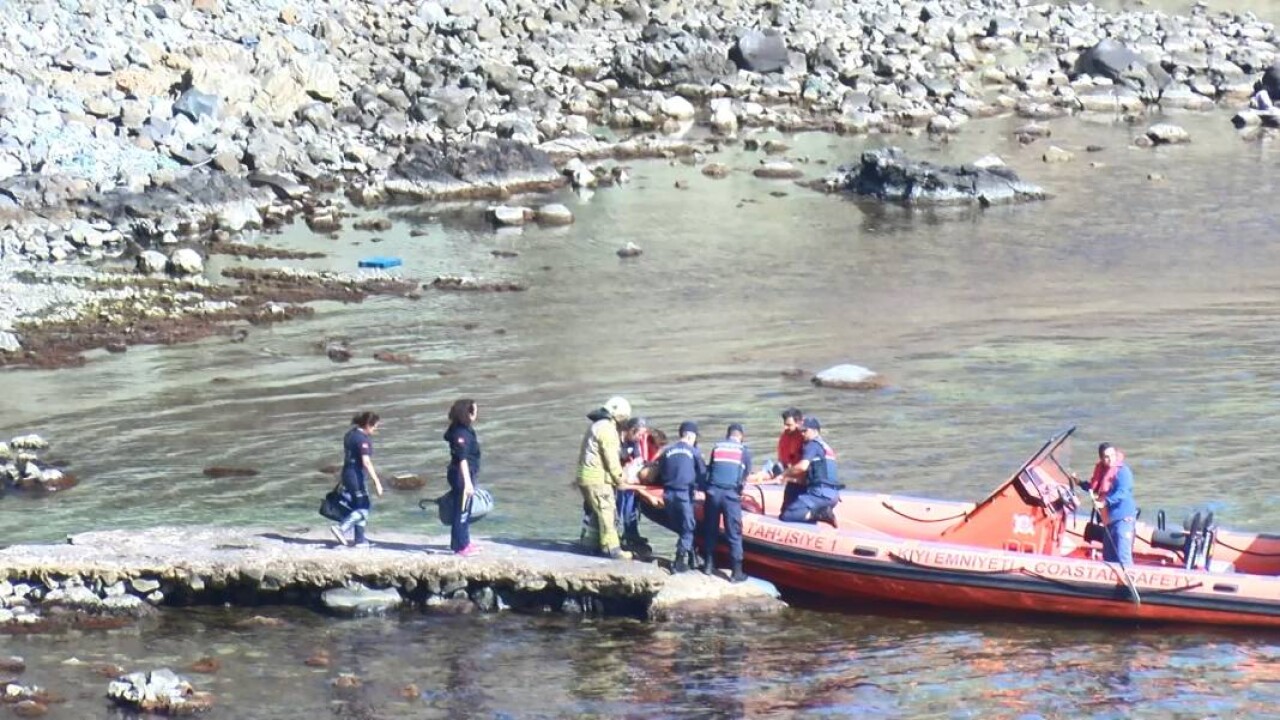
x=896 y=511
x=1242 y=551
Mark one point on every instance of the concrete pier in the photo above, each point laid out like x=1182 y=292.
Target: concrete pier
x=128 y=572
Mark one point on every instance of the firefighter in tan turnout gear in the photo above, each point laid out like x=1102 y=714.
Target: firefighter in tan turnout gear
x=600 y=472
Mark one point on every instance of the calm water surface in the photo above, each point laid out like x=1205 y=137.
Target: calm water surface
x=1143 y=311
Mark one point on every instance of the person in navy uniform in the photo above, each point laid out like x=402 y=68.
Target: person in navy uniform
x=727 y=470
x=681 y=469
x=357 y=469
x=464 y=468
x=817 y=467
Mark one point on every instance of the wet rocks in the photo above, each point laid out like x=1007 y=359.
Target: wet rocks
x=716 y=170
x=408 y=481
x=393 y=358
x=461 y=283
x=159 y=691
x=222 y=471
x=338 y=350
x=1167 y=134
x=630 y=250
x=1113 y=60
x=186 y=262
x=778 y=170
x=359 y=600
x=889 y=175
x=849 y=377
x=554 y=214
x=488 y=169
x=509 y=215
x=1056 y=154
x=22 y=470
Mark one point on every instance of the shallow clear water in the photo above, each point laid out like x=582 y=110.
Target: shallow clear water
x=1141 y=310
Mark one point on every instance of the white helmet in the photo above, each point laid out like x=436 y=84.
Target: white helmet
x=618 y=408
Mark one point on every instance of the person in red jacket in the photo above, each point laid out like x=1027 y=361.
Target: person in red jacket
x=790 y=451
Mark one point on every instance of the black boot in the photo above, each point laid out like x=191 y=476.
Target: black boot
x=737 y=576
x=708 y=564
x=681 y=565
x=361 y=540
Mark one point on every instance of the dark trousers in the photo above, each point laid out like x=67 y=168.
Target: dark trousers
x=726 y=503
x=460 y=531
x=805 y=507
x=628 y=515
x=790 y=492
x=679 y=505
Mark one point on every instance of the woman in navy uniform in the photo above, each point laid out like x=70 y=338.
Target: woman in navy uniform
x=357 y=468
x=464 y=468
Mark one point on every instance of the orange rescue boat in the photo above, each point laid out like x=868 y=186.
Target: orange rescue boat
x=1024 y=549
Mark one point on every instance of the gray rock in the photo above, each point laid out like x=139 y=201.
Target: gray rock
x=195 y=105
x=1168 y=134
x=508 y=215
x=887 y=174
x=151 y=262
x=186 y=262
x=678 y=108
x=760 y=51
x=1112 y=59
x=285 y=187
x=849 y=377
x=1056 y=154
x=142 y=586
x=360 y=600
x=554 y=214
x=433 y=171
x=9 y=342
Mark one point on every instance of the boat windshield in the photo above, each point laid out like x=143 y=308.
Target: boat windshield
x=1049 y=468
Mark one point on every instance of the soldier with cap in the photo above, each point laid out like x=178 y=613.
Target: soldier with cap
x=600 y=472
x=727 y=469
x=818 y=468
x=680 y=470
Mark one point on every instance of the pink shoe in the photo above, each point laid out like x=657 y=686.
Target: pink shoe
x=468 y=551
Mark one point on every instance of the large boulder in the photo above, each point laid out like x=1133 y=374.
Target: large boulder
x=1112 y=59
x=480 y=170
x=186 y=262
x=888 y=174
x=360 y=600
x=762 y=51
x=849 y=377
x=667 y=60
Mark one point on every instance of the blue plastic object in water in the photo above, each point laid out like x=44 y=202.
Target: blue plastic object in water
x=380 y=262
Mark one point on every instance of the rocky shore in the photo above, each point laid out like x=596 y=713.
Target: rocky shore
x=110 y=574
x=147 y=131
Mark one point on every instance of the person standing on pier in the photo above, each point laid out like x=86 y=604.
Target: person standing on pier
x=639 y=447
x=464 y=468
x=357 y=469
x=727 y=470
x=600 y=472
x=681 y=469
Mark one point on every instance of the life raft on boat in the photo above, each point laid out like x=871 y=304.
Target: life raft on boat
x=1024 y=550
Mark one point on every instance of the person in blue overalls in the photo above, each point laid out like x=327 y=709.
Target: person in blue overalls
x=357 y=467
x=818 y=467
x=464 y=468
x=681 y=469
x=727 y=469
x=1112 y=487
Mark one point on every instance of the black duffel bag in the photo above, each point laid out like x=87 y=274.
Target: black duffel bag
x=335 y=505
